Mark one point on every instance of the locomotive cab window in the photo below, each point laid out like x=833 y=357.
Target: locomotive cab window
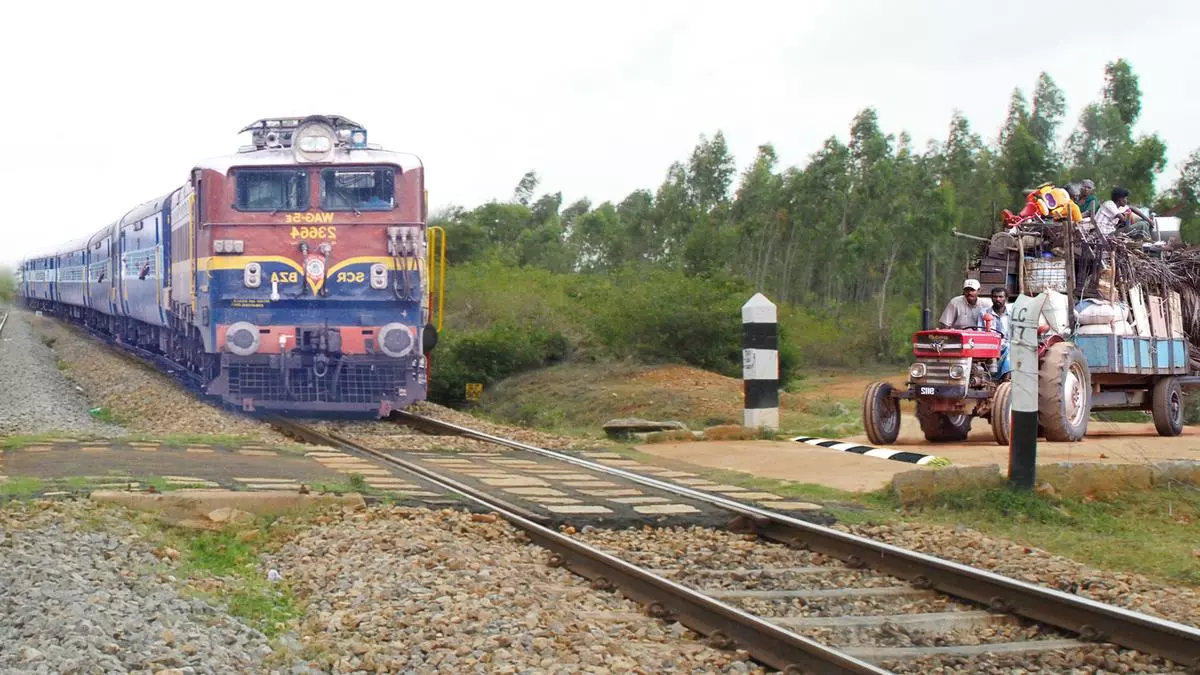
x=271 y=190
x=357 y=189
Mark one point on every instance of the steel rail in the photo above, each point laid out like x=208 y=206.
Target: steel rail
x=1091 y=620
x=726 y=626
x=3 y=319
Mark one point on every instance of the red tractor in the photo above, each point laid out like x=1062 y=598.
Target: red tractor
x=961 y=374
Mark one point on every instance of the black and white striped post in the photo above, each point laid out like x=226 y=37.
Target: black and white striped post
x=760 y=363
x=1022 y=451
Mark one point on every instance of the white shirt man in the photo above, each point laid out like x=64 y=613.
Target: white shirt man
x=1109 y=216
x=964 y=311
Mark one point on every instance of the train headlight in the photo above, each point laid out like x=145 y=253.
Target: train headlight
x=252 y=275
x=313 y=141
x=917 y=370
x=396 y=339
x=957 y=372
x=378 y=276
x=241 y=338
x=315 y=144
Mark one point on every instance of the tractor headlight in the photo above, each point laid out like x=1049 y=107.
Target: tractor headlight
x=957 y=372
x=917 y=370
x=378 y=276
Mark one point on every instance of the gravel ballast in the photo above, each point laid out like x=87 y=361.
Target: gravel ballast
x=148 y=402
x=692 y=549
x=85 y=600
x=414 y=590
x=34 y=396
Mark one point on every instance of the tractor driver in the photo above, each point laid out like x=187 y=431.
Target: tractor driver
x=963 y=311
x=997 y=318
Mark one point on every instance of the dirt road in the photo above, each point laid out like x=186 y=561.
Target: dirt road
x=1107 y=442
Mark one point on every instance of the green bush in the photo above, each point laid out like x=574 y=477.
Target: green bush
x=488 y=356
x=503 y=319
x=665 y=315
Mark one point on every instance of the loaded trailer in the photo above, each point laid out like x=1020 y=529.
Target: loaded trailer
x=1121 y=345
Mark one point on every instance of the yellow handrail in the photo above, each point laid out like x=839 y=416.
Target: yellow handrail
x=437 y=269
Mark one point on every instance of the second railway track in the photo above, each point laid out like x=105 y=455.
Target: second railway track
x=867 y=597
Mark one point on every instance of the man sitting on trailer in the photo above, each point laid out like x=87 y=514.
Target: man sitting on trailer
x=963 y=311
x=1114 y=217
x=998 y=318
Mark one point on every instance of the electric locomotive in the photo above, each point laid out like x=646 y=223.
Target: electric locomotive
x=291 y=276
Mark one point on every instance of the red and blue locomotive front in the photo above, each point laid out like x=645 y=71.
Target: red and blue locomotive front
x=310 y=278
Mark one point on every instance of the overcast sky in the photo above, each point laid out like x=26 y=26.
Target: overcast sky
x=109 y=104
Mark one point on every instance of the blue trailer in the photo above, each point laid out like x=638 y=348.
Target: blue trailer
x=1130 y=372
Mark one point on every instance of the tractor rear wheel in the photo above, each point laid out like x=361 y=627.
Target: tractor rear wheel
x=940 y=427
x=1002 y=413
x=1064 y=393
x=1167 y=405
x=881 y=414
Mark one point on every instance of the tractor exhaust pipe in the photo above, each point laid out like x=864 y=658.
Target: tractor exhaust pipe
x=926 y=310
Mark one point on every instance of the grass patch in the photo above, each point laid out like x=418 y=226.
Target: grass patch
x=19 y=487
x=263 y=604
x=184 y=440
x=222 y=567
x=17 y=441
x=357 y=482
x=1151 y=532
x=352 y=483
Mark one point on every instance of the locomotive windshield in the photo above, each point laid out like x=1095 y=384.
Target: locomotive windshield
x=272 y=190
x=358 y=189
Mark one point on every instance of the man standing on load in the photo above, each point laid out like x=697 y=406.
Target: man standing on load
x=963 y=311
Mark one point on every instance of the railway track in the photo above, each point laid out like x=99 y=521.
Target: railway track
x=703 y=607
x=761 y=609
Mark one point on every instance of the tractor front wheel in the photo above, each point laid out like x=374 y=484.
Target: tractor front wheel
x=1002 y=413
x=881 y=414
x=940 y=427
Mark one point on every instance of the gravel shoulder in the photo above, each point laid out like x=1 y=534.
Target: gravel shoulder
x=83 y=593
x=35 y=398
x=146 y=401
